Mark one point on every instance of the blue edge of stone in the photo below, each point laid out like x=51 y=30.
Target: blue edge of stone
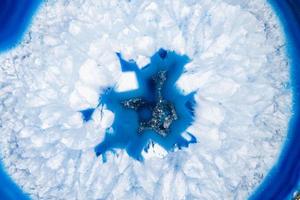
x=284 y=177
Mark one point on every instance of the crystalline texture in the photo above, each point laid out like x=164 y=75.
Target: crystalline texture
x=238 y=69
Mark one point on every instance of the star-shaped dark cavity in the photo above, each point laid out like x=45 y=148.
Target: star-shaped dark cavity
x=163 y=112
x=156 y=112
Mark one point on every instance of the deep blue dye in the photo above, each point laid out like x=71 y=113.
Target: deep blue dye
x=145 y=113
x=162 y=53
x=15 y=16
x=190 y=104
x=124 y=131
x=87 y=114
x=283 y=180
x=8 y=189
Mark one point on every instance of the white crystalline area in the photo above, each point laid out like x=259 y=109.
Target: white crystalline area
x=238 y=68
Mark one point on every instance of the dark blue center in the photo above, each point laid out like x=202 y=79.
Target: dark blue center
x=156 y=112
